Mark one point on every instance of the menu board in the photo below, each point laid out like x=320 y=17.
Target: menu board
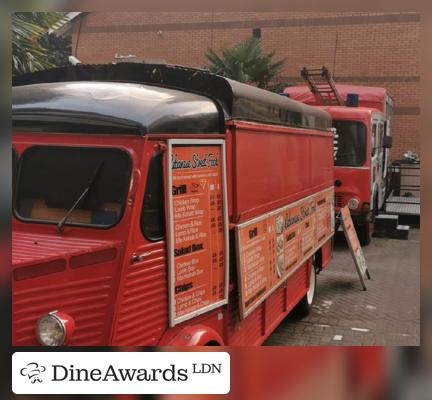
x=198 y=227
x=354 y=245
x=272 y=246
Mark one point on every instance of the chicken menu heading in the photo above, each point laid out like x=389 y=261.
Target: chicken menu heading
x=197 y=225
x=270 y=247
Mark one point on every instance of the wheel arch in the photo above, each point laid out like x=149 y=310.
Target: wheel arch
x=193 y=335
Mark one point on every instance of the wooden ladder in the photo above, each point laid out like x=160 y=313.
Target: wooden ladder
x=321 y=84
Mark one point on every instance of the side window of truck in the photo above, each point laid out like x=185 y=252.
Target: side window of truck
x=152 y=215
x=381 y=135
x=14 y=168
x=14 y=171
x=374 y=139
x=381 y=138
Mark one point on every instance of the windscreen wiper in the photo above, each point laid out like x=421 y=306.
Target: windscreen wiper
x=92 y=180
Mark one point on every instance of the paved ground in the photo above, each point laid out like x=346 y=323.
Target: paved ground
x=387 y=314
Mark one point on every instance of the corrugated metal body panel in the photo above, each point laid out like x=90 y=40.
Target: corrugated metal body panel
x=244 y=332
x=297 y=285
x=85 y=293
x=275 y=307
x=34 y=248
x=262 y=321
x=87 y=300
x=143 y=305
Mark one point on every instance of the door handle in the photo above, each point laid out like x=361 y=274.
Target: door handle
x=138 y=257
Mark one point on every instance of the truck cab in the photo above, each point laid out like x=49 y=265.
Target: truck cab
x=362 y=152
x=360 y=164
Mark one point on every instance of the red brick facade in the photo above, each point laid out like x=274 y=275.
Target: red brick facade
x=376 y=49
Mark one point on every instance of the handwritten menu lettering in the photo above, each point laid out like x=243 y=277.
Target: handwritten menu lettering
x=198 y=226
x=271 y=246
x=354 y=245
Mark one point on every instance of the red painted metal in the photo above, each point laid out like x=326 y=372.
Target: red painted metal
x=326 y=254
x=69 y=324
x=194 y=335
x=114 y=300
x=356 y=181
x=369 y=96
x=274 y=166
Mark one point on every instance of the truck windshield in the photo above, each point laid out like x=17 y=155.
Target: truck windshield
x=351 y=143
x=50 y=180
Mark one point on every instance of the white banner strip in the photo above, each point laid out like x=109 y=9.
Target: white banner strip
x=121 y=373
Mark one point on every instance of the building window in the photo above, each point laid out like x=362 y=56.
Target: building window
x=256 y=33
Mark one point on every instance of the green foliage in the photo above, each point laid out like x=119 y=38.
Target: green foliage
x=58 y=49
x=28 y=51
x=246 y=62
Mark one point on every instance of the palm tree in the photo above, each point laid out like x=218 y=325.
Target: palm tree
x=28 y=53
x=246 y=62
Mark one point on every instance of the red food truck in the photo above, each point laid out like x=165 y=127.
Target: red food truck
x=362 y=153
x=162 y=205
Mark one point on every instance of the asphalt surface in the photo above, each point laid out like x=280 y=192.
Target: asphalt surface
x=387 y=314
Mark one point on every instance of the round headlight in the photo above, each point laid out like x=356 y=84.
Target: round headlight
x=353 y=204
x=51 y=330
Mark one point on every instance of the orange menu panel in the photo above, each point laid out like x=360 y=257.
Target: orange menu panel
x=271 y=246
x=354 y=245
x=198 y=228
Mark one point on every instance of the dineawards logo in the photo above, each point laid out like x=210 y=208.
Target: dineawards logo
x=121 y=373
x=60 y=373
x=33 y=371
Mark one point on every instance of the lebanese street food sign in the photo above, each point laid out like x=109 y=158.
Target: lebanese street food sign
x=354 y=245
x=271 y=247
x=197 y=226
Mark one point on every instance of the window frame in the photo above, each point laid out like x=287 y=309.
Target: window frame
x=15 y=168
x=67 y=223
x=365 y=143
x=145 y=234
x=374 y=138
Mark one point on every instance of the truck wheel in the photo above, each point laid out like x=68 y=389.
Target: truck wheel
x=364 y=233
x=303 y=308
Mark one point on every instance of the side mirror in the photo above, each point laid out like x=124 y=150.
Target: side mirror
x=387 y=142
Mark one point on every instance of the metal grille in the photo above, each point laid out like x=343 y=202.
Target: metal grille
x=403 y=205
x=403 y=189
x=338 y=200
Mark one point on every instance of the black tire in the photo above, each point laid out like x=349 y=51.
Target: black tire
x=364 y=233
x=303 y=308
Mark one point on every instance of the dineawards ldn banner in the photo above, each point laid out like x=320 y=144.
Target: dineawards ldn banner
x=273 y=246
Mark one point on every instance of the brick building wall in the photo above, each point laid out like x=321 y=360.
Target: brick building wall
x=376 y=49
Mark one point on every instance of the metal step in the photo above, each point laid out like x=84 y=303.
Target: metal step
x=400 y=205
x=412 y=220
x=386 y=222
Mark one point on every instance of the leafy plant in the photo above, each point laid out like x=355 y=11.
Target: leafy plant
x=246 y=62
x=28 y=51
x=58 y=49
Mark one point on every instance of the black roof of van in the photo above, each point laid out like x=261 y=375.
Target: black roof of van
x=146 y=98
x=112 y=107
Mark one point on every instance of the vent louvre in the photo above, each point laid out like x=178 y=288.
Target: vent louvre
x=339 y=200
